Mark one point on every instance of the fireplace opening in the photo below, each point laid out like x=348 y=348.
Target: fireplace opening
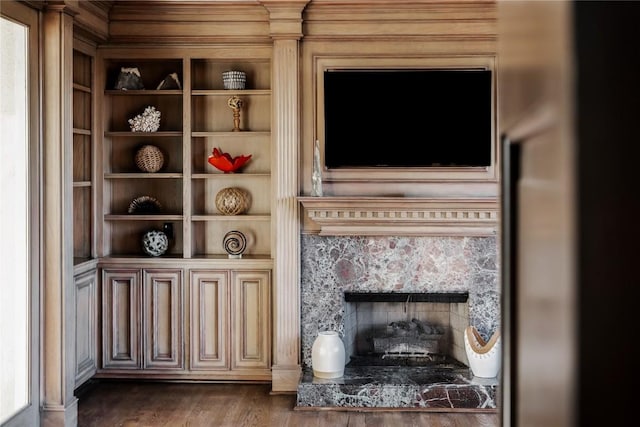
x=406 y=329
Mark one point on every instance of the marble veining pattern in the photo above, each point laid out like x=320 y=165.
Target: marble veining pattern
x=332 y=265
x=393 y=387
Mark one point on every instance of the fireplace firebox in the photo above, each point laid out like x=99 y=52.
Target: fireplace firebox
x=406 y=329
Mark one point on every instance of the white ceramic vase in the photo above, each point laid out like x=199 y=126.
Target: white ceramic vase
x=328 y=355
x=484 y=357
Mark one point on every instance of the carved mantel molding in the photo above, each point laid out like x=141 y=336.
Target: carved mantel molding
x=401 y=216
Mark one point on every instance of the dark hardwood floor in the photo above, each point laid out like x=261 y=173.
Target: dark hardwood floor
x=151 y=404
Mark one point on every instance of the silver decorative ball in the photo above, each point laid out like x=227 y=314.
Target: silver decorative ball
x=155 y=243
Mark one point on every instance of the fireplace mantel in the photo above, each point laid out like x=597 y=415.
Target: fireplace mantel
x=400 y=216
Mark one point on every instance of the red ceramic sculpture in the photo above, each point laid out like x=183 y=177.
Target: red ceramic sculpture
x=225 y=162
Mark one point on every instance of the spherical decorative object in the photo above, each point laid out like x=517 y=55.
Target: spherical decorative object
x=149 y=158
x=155 y=243
x=232 y=201
x=148 y=121
x=234 y=80
x=234 y=243
x=328 y=355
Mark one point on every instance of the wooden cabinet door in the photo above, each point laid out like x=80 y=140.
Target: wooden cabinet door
x=86 y=325
x=250 y=326
x=209 y=320
x=162 y=318
x=121 y=318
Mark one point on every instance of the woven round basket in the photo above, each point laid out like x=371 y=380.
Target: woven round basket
x=232 y=201
x=149 y=158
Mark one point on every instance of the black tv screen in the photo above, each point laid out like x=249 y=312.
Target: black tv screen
x=407 y=118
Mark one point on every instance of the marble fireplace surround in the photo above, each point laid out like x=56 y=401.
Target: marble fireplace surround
x=333 y=265
x=425 y=265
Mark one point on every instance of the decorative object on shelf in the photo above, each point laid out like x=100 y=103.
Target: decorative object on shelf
x=144 y=205
x=167 y=227
x=148 y=121
x=129 y=79
x=234 y=243
x=235 y=104
x=234 y=80
x=316 y=177
x=484 y=357
x=170 y=82
x=232 y=201
x=149 y=158
x=224 y=162
x=328 y=355
x=155 y=242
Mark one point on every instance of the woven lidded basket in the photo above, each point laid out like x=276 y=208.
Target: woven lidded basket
x=232 y=201
x=149 y=158
x=234 y=79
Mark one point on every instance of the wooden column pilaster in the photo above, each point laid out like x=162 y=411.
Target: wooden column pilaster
x=286 y=30
x=59 y=405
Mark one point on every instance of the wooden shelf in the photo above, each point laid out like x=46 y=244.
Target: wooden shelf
x=199 y=117
x=128 y=134
x=143 y=175
x=82 y=88
x=225 y=134
x=83 y=142
x=136 y=217
x=142 y=92
x=230 y=217
x=222 y=175
x=225 y=92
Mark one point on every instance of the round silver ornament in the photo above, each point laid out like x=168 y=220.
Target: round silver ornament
x=155 y=243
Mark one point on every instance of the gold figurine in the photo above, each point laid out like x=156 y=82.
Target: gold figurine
x=235 y=104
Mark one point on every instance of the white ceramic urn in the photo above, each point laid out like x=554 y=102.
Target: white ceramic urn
x=328 y=355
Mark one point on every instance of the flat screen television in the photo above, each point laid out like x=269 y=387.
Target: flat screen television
x=407 y=118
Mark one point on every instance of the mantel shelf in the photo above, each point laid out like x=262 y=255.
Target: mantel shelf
x=402 y=216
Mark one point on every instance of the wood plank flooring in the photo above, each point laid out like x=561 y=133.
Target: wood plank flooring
x=150 y=404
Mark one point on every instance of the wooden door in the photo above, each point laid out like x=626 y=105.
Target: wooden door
x=251 y=326
x=539 y=307
x=209 y=327
x=162 y=319
x=86 y=323
x=121 y=319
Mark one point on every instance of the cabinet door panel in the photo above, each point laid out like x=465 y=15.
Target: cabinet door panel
x=209 y=320
x=250 y=293
x=121 y=319
x=163 y=344
x=86 y=324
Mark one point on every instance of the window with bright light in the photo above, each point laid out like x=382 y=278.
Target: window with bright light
x=14 y=216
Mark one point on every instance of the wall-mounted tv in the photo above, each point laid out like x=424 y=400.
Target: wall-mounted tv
x=407 y=118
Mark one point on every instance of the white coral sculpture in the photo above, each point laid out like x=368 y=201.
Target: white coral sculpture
x=148 y=121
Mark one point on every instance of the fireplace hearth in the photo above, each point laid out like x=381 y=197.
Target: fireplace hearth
x=442 y=386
